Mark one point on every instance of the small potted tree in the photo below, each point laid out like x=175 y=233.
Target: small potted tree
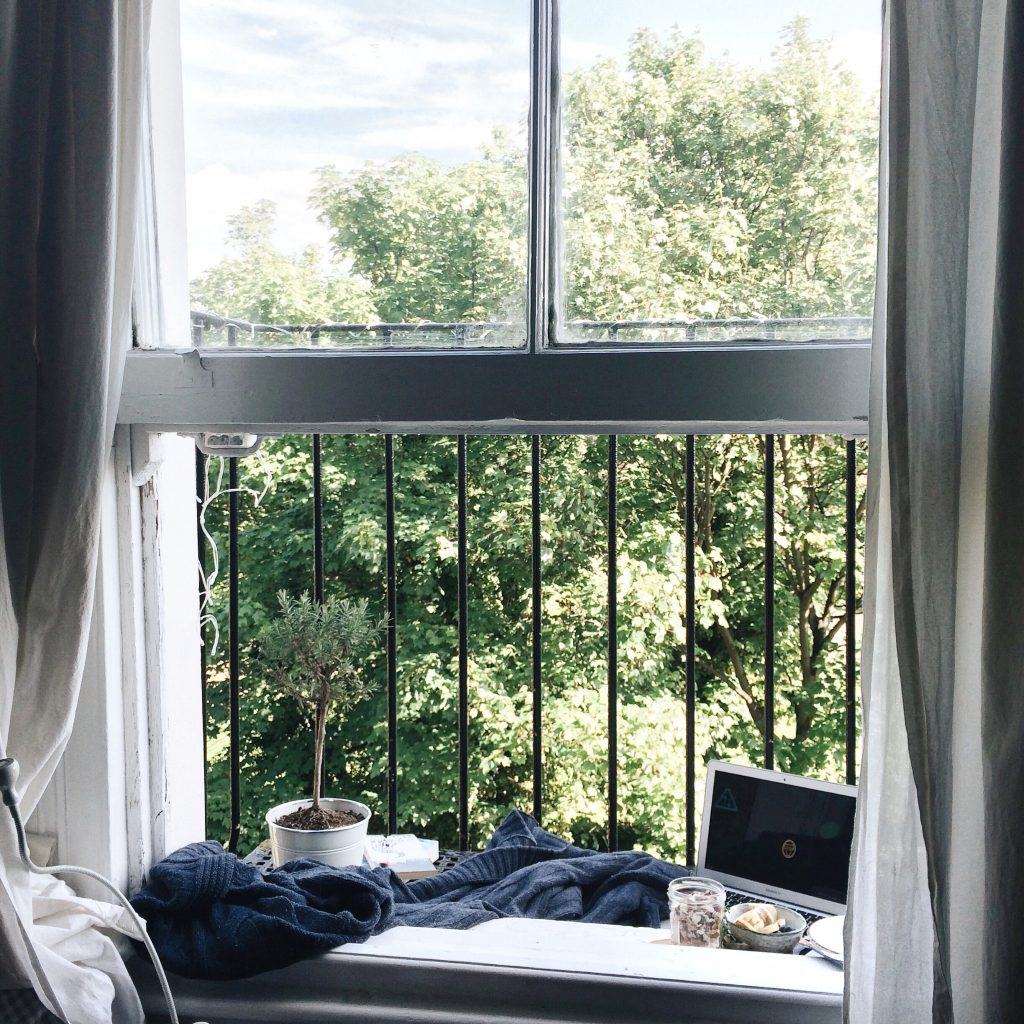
x=314 y=653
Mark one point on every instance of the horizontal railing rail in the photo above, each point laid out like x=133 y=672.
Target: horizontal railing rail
x=836 y=328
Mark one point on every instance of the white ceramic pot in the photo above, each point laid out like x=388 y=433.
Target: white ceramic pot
x=338 y=847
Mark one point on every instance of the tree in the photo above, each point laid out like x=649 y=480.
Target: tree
x=263 y=285
x=313 y=653
x=436 y=243
x=701 y=188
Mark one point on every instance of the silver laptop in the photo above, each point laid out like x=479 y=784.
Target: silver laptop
x=776 y=837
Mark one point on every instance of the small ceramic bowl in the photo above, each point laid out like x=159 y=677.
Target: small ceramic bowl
x=783 y=941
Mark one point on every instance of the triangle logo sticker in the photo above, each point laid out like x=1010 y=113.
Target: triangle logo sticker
x=726 y=801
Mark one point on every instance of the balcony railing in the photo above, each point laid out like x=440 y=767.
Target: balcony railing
x=210 y=329
x=848 y=575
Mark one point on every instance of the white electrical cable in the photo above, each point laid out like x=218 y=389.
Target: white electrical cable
x=8 y=778
x=207 y=580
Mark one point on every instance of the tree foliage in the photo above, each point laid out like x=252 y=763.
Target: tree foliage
x=703 y=188
x=693 y=188
x=263 y=285
x=437 y=243
x=314 y=653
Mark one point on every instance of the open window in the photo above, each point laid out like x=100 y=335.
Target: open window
x=635 y=243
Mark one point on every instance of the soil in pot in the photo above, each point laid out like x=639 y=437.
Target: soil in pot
x=315 y=820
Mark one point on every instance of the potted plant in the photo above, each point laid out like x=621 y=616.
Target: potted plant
x=314 y=653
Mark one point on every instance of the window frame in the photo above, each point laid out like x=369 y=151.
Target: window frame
x=819 y=388
x=754 y=386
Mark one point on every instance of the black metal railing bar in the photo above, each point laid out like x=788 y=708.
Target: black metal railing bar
x=233 y=666
x=463 y=587
x=613 y=645
x=769 y=601
x=392 y=638
x=318 y=550
x=691 y=656
x=536 y=637
x=851 y=612
x=318 y=521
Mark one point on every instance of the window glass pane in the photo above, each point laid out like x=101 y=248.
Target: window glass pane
x=354 y=164
x=719 y=171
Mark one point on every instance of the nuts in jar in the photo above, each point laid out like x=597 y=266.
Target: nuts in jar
x=695 y=908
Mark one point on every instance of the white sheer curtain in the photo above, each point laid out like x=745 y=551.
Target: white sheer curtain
x=71 y=104
x=934 y=931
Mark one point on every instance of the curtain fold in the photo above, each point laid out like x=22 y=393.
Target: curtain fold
x=934 y=930
x=71 y=108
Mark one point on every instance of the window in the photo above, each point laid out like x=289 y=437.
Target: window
x=680 y=223
x=601 y=316
x=693 y=246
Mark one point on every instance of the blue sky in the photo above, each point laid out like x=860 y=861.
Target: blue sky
x=276 y=88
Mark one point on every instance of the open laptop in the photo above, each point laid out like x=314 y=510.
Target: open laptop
x=777 y=838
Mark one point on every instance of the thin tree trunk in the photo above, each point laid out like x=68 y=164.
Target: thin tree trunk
x=318 y=758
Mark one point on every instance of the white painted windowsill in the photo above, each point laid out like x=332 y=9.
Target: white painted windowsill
x=520 y=970
x=569 y=946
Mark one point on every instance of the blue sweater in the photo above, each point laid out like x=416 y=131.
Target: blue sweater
x=212 y=916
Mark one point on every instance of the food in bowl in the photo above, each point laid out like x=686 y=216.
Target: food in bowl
x=762 y=918
x=788 y=931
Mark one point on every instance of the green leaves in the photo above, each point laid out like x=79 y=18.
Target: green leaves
x=260 y=284
x=436 y=243
x=314 y=652
x=275 y=548
x=699 y=188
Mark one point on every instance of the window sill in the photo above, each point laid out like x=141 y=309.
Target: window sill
x=511 y=970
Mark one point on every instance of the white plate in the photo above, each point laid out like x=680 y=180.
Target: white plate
x=826 y=936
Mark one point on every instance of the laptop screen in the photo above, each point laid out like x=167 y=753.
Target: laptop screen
x=780 y=833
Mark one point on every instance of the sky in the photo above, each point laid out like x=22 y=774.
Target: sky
x=274 y=89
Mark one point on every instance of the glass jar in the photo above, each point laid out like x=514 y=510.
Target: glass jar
x=695 y=907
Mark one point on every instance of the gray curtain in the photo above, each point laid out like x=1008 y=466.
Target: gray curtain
x=71 y=104
x=935 y=930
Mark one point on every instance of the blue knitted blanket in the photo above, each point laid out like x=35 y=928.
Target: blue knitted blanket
x=212 y=916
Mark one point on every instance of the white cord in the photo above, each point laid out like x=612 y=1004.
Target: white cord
x=207 y=580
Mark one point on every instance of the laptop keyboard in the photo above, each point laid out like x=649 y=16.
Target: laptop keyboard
x=733 y=897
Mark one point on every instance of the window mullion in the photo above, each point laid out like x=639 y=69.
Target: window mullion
x=544 y=132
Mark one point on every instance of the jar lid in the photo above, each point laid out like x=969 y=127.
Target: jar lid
x=693 y=885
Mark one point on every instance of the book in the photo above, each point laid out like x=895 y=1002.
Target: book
x=408 y=856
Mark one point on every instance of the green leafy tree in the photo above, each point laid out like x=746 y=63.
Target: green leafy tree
x=437 y=243
x=701 y=188
x=260 y=284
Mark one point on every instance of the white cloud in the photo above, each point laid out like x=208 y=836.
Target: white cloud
x=275 y=89
x=455 y=136
x=862 y=51
x=309 y=56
